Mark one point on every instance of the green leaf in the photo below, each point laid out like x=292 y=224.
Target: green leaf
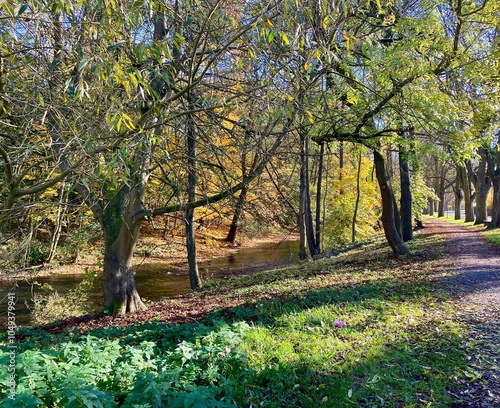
x=116 y=45
x=20 y=9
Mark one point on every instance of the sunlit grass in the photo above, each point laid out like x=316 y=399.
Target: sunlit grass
x=392 y=348
x=492 y=235
x=399 y=345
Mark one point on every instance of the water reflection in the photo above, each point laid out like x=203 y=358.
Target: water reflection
x=154 y=280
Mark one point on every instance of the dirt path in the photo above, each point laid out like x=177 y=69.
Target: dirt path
x=475 y=290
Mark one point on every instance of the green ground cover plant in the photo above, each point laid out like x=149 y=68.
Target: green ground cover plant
x=357 y=329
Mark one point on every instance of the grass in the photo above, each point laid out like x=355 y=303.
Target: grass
x=283 y=347
x=492 y=235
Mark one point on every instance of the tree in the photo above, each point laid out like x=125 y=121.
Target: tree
x=406 y=198
x=116 y=84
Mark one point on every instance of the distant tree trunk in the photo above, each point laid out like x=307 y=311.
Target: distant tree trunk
x=305 y=217
x=442 y=192
x=406 y=198
x=482 y=185
x=238 y=212
x=495 y=211
x=358 y=197
x=61 y=210
x=430 y=206
x=388 y=211
x=494 y=172
x=468 y=194
x=458 y=199
x=318 y=198
x=341 y=167
x=240 y=203
x=194 y=274
x=310 y=231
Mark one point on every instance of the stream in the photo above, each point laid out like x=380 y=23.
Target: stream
x=154 y=281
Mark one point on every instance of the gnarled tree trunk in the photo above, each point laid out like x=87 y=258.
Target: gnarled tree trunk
x=121 y=232
x=388 y=211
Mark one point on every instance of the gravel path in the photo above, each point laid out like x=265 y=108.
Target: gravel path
x=475 y=290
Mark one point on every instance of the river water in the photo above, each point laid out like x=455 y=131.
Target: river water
x=153 y=280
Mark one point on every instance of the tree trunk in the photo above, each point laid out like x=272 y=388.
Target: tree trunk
x=304 y=197
x=120 y=293
x=388 y=217
x=494 y=173
x=358 y=197
x=482 y=185
x=406 y=198
x=238 y=212
x=442 y=192
x=458 y=198
x=120 y=235
x=240 y=204
x=61 y=210
x=468 y=195
x=194 y=274
x=430 y=205
x=341 y=167
x=305 y=186
x=495 y=211
x=318 y=198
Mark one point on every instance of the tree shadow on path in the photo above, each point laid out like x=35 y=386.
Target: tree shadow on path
x=475 y=289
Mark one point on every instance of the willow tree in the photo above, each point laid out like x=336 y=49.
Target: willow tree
x=114 y=82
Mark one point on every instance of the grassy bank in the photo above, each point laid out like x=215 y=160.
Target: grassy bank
x=358 y=329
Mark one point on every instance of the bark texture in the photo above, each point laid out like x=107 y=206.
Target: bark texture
x=388 y=215
x=469 y=196
x=121 y=233
x=194 y=274
x=482 y=185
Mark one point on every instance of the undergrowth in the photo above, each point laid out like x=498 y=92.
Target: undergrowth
x=50 y=305
x=360 y=329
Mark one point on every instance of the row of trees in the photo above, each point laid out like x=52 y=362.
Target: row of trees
x=140 y=109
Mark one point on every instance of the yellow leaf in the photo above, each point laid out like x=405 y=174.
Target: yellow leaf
x=352 y=99
x=347 y=41
x=285 y=39
x=325 y=22
x=310 y=117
